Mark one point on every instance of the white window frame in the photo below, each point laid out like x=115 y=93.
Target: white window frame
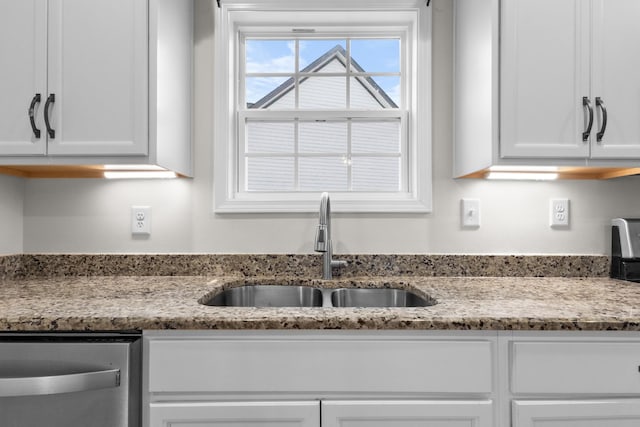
x=233 y=15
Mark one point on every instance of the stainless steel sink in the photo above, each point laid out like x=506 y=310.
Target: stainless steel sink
x=268 y=296
x=308 y=296
x=380 y=297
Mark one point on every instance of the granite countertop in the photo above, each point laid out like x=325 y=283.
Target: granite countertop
x=108 y=303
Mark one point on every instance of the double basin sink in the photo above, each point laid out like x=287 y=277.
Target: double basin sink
x=308 y=296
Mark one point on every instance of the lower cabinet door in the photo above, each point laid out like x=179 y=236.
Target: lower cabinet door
x=418 y=413
x=576 y=413
x=235 y=414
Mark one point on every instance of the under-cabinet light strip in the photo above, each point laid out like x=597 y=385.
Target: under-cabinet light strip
x=530 y=176
x=139 y=174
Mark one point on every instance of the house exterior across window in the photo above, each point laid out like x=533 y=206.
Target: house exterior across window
x=312 y=99
x=366 y=94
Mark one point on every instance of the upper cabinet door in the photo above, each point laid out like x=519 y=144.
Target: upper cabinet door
x=98 y=74
x=545 y=75
x=616 y=78
x=23 y=26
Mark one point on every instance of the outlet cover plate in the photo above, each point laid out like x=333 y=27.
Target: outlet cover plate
x=559 y=213
x=141 y=220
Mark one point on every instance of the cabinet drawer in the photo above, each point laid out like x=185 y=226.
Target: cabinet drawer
x=239 y=414
x=320 y=366
x=576 y=367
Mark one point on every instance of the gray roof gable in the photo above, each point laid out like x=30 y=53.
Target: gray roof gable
x=335 y=53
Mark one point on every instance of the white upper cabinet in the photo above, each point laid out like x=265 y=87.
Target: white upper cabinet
x=96 y=82
x=544 y=76
x=562 y=69
x=98 y=74
x=23 y=76
x=546 y=83
x=615 y=67
x=84 y=63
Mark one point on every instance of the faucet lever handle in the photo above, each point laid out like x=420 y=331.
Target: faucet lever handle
x=321 y=244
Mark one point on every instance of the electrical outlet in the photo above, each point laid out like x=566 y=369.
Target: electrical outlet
x=559 y=211
x=141 y=220
x=470 y=213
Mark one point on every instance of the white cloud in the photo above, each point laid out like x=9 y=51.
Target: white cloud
x=263 y=61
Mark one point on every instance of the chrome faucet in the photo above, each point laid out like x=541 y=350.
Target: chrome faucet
x=323 y=239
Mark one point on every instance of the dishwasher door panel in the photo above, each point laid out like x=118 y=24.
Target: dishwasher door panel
x=62 y=382
x=96 y=408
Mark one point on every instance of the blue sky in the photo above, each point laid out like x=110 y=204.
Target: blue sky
x=278 y=56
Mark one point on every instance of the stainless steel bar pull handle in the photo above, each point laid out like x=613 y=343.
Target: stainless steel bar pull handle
x=603 y=128
x=58 y=384
x=50 y=100
x=587 y=103
x=32 y=108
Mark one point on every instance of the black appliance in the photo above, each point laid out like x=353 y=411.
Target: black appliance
x=625 y=249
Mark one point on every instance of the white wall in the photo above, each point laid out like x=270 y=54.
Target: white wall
x=93 y=215
x=11 y=211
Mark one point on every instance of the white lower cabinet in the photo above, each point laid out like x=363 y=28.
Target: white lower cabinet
x=319 y=379
x=372 y=413
x=407 y=413
x=577 y=413
x=391 y=379
x=235 y=414
x=573 y=379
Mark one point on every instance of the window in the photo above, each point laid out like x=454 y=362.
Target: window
x=322 y=96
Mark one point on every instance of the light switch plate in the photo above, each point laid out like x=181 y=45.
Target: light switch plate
x=470 y=213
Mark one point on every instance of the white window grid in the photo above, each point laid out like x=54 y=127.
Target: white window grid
x=297 y=115
x=235 y=17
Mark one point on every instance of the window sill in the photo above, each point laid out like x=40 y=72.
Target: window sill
x=345 y=203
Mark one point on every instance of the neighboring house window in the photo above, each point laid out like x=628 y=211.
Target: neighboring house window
x=323 y=96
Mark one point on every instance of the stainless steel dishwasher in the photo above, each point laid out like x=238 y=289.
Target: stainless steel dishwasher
x=70 y=380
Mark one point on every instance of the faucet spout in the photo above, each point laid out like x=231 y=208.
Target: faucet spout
x=323 y=239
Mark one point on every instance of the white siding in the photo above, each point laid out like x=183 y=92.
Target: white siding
x=328 y=92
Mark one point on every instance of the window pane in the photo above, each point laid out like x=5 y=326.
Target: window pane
x=322 y=137
x=374 y=93
x=323 y=174
x=269 y=92
x=270 y=137
x=323 y=92
x=270 y=174
x=322 y=56
x=376 y=55
x=375 y=137
x=269 y=56
x=375 y=174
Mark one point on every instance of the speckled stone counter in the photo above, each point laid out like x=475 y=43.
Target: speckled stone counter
x=72 y=265
x=107 y=303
